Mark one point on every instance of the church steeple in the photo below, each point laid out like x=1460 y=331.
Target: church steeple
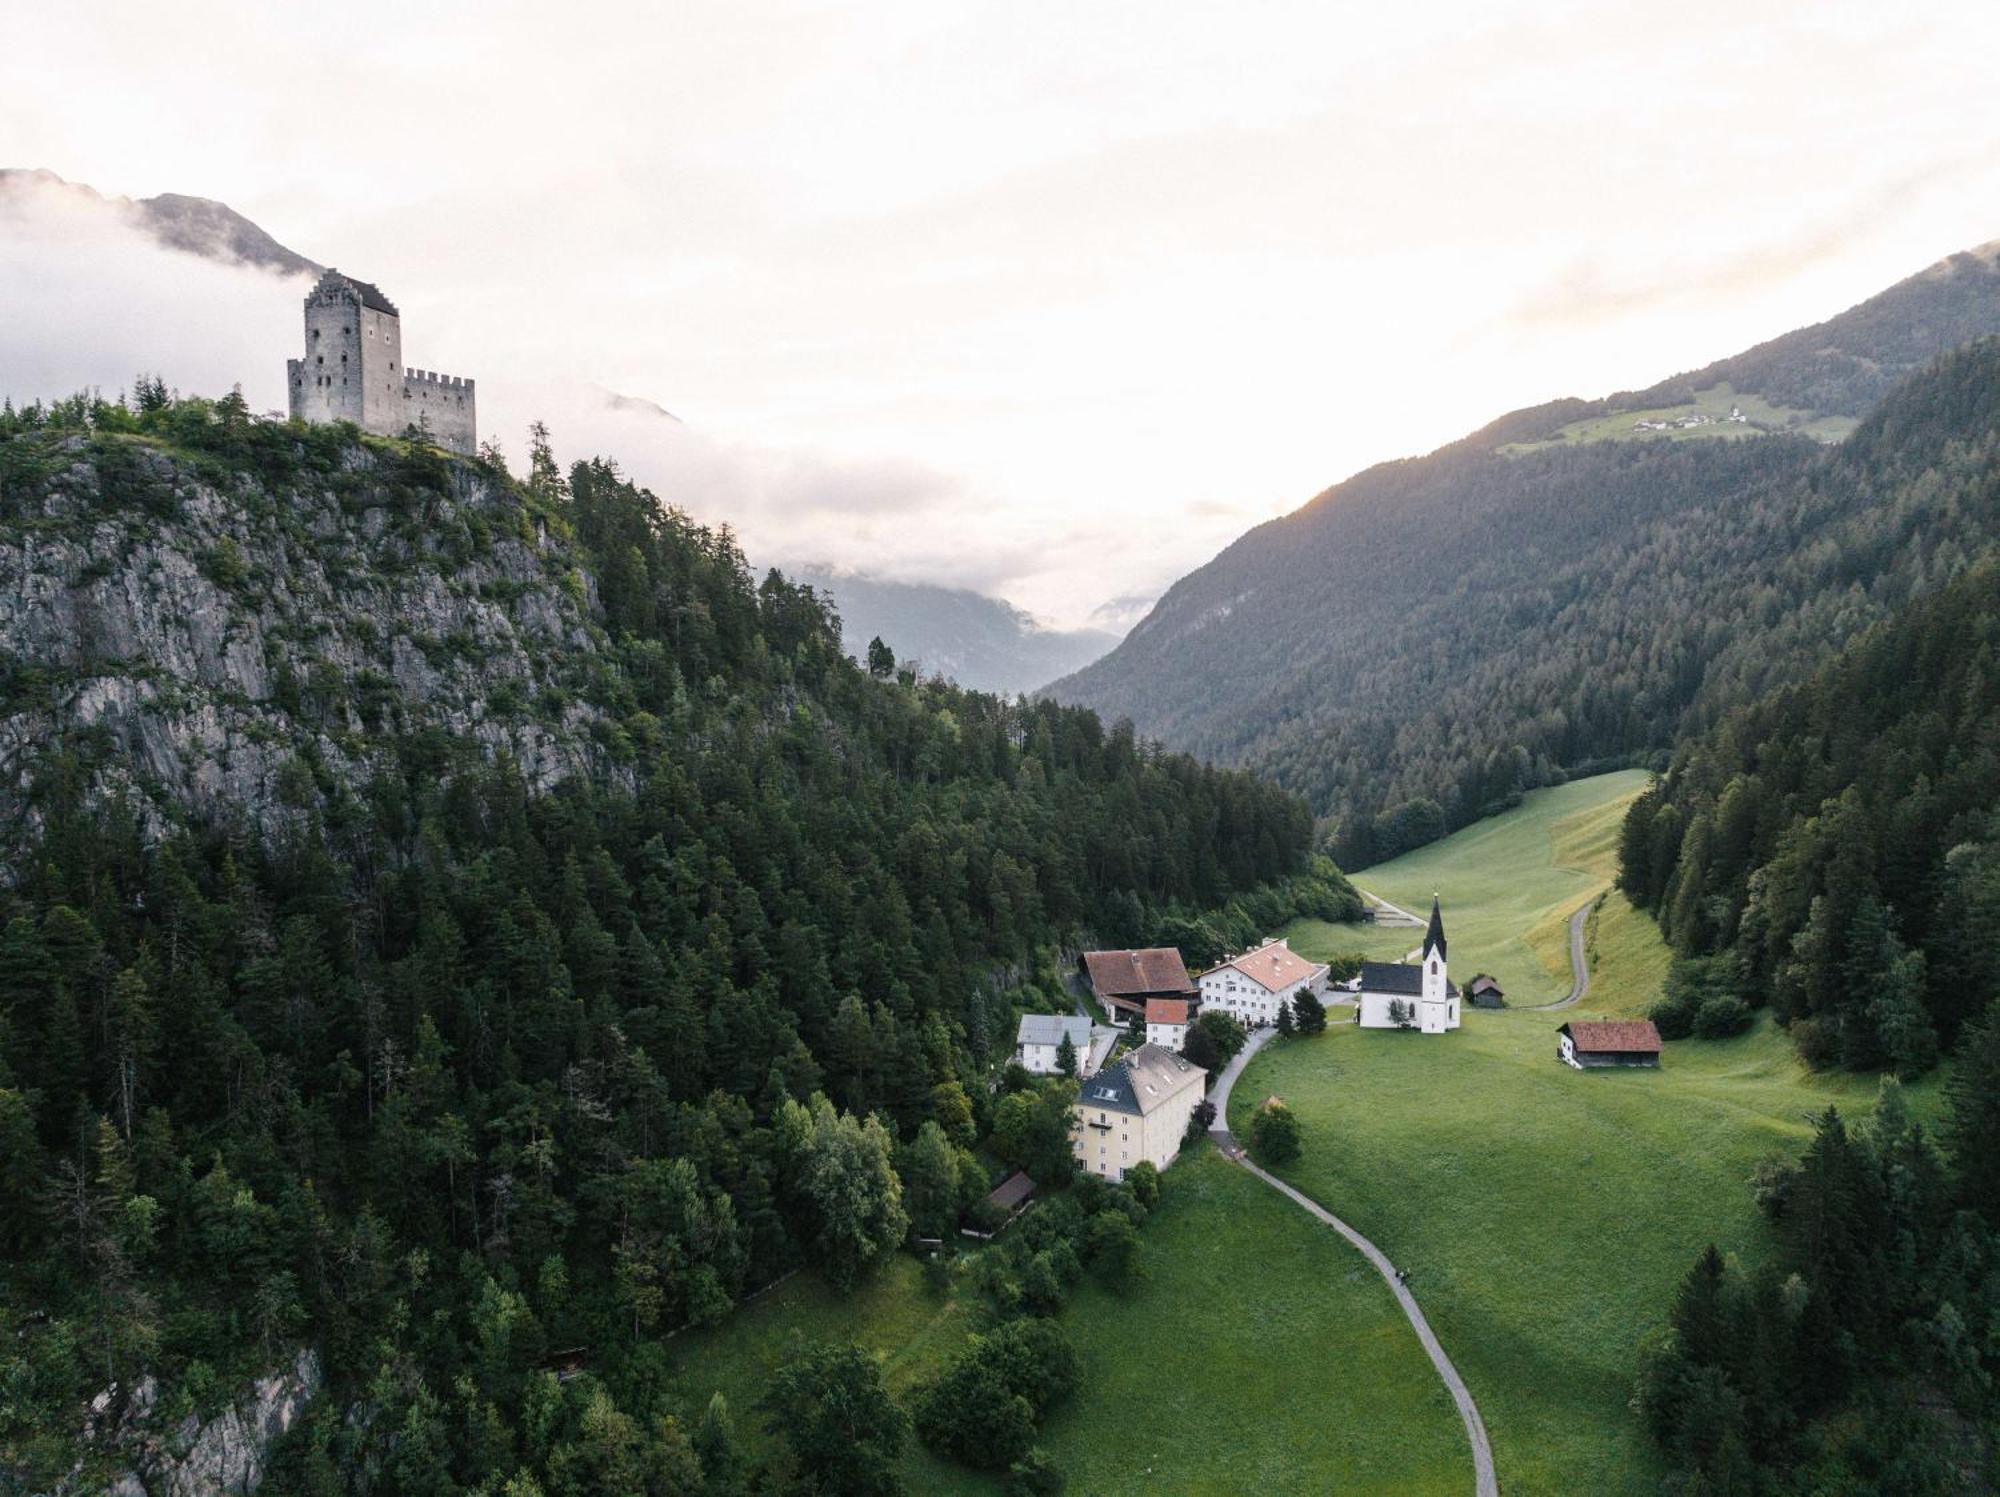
x=1434 y=937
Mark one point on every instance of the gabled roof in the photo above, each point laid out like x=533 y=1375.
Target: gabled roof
x=1273 y=966
x=1434 y=937
x=1049 y=1029
x=1614 y=1036
x=370 y=294
x=1119 y=974
x=1398 y=979
x=1166 y=1010
x=1140 y=1083
x=1482 y=983
x=1011 y=1191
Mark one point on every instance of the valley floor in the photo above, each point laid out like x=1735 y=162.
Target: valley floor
x=1543 y=1216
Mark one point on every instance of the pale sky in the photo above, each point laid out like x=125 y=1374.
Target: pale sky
x=1052 y=300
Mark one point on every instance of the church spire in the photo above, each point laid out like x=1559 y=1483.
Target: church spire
x=1434 y=937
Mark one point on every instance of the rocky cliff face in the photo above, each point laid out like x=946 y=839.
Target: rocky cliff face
x=227 y=1453
x=214 y=647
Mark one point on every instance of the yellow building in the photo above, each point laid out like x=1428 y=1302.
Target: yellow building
x=1137 y=1109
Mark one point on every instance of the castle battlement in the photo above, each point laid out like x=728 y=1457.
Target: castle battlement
x=352 y=370
x=441 y=381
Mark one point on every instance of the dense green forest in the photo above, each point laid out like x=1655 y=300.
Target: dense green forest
x=1423 y=642
x=1861 y=1357
x=1834 y=851
x=452 y=1074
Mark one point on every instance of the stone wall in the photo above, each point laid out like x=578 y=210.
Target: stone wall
x=442 y=404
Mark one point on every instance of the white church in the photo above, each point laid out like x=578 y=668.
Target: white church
x=1402 y=995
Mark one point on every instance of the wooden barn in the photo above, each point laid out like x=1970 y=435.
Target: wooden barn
x=1484 y=992
x=1617 y=1042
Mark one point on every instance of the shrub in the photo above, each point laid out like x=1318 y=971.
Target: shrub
x=1274 y=1134
x=1035 y=1475
x=1143 y=1179
x=1673 y=1016
x=982 y=1410
x=1721 y=1016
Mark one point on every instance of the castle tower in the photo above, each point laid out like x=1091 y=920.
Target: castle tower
x=353 y=370
x=1434 y=957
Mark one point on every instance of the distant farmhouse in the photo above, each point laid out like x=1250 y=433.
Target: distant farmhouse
x=1254 y=986
x=1038 y=1045
x=1402 y=995
x=1618 y=1042
x=1124 y=980
x=1167 y=1023
x=1137 y=1109
x=353 y=370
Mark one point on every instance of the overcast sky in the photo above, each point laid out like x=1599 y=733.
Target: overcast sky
x=1048 y=299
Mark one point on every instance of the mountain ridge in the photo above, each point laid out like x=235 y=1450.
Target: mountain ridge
x=1297 y=651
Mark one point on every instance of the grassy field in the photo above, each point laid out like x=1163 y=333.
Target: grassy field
x=1260 y=1354
x=1544 y=1215
x=1714 y=402
x=1509 y=884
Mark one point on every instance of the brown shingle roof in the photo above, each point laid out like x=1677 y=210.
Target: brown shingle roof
x=1166 y=1010
x=1117 y=974
x=1275 y=966
x=1615 y=1036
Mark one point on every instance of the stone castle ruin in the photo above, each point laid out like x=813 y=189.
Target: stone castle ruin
x=354 y=371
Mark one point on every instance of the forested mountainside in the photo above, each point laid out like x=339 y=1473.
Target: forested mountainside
x=983 y=643
x=1835 y=851
x=456 y=919
x=1420 y=644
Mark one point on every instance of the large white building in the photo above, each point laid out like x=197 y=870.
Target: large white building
x=1137 y=1109
x=1253 y=986
x=1404 y=995
x=1038 y=1045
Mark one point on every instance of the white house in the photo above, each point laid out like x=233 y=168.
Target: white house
x=1167 y=1023
x=1253 y=986
x=1402 y=995
x=1137 y=1109
x=1039 y=1042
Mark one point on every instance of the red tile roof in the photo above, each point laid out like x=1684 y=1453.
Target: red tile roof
x=1275 y=966
x=1166 y=1010
x=1118 y=974
x=1616 y=1036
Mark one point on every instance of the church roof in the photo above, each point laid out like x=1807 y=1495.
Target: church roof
x=1398 y=979
x=1435 y=935
x=370 y=294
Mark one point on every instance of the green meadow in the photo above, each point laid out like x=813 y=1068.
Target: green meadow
x=1508 y=883
x=1761 y=417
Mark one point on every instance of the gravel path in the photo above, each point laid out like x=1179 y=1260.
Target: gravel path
x=1485 y=1482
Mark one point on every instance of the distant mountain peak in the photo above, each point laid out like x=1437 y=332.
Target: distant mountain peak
x=193 y=225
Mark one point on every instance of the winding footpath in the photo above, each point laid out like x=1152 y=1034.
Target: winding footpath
x=1485 y=1482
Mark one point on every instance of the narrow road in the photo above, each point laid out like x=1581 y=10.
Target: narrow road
x=1579 y=968
x=1402 y=916
x=1485 y=1482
